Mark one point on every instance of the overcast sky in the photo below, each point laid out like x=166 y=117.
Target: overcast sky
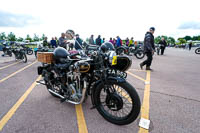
x=108 y=18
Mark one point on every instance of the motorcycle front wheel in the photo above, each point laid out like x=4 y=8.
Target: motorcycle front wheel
x=117 y=102
x=197 y=51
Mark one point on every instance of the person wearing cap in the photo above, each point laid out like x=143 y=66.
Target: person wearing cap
x=149 y=48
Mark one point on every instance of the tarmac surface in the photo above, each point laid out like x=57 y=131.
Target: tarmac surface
x=170 y=98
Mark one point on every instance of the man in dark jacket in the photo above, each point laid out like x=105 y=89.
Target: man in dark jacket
x=149 y=48
x=78 y=43
x=163 y=45
x=98 y=41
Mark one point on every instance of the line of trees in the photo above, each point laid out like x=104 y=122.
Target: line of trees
x=11 y=37
x=181 y=40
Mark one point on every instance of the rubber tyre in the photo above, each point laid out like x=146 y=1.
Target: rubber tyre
x=139 y=54
x=29 y=52
x=132 y=93
x=197 y=51
x=24 y=58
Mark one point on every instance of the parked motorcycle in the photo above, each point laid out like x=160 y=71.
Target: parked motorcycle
x=20 y=54
x=137 y=51
x=72 y=77
x=6 y=49
x=197 y=51
x=27 y=50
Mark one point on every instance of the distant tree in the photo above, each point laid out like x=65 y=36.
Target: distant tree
x=171 y=40
x=42 y=38
x=187 y=38
x=199 y=38
x=28 y=38
x=36 y=38
x=195 y=38
x=3 y=36
x=11 y=37
x=181 y=40
x=157 y=39
x=20 y=39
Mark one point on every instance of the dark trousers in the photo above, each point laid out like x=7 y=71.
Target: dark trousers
x=162 y=50
x=149 y=59
x=190 y=46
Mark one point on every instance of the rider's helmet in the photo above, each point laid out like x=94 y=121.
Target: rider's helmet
x=70 y=34
x=107 y=46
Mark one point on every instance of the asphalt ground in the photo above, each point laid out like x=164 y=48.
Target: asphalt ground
x=169 y=96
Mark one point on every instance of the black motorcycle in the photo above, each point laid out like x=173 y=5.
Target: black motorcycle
x=197 y=51
x=137 y=51
x=7 y=50
x=72 y=77
x=27 y=50
x=19 y=53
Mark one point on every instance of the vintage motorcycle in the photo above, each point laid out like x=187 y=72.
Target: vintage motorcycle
x=137 y=51
x=72 y=77
x=19 y=53
x=197 y=51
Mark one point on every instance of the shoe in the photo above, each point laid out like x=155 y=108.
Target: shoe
x=148 y=68
x=141 y=66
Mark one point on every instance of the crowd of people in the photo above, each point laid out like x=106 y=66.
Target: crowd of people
x=117 y=42
x=63 y=41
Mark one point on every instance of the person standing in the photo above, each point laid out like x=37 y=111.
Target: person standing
x=57 y=42
x=163 y=44
x=118 y=42
x=131 y=42
x=45 y=42
x=190 y=46
x=149 y=48
x=91 y=40
x=62 y=41
x=78 y=43
x=53 y=43
x=98 y=41
x=127 y=41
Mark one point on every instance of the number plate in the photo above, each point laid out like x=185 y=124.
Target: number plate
x=114 y=60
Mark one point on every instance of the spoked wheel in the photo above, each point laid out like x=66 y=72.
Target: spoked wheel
x=139 y=54
x=197 y=51
x=24 y=58
x=118 y=103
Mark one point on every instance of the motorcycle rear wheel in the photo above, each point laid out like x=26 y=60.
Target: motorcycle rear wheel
x=122 y=97
x=29 y=52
